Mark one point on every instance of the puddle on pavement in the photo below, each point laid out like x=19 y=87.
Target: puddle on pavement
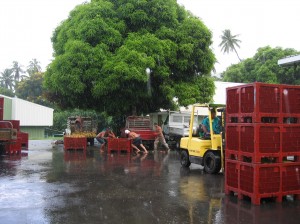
x=49 y=185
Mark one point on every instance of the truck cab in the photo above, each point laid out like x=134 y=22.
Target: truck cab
x=204 y=151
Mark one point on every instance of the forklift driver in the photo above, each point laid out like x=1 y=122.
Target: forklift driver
x=215 y=124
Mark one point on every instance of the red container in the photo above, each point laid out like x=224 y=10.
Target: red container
x=13 y=147
x=259 y=141
x=75 y=142
x=24 y=138
x=291 y=139
x=260 y=98
x=232 y=137
x=15 y=124
x=233 y=101
x=290 y=95
x=256 y=102
x=259 y=181
x=118 y=144
x=231 y=176
x=291 y=178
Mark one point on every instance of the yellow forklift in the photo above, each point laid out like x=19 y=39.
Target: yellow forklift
x=203 y=150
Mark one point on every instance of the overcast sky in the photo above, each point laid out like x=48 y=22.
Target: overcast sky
x=26 y=26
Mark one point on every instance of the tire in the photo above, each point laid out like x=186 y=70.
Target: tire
x=91 y=141
x=177 y=144
x=184 y=159
x=212 y=163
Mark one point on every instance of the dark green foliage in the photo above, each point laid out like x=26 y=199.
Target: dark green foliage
x=263 y=67
x=103 y=49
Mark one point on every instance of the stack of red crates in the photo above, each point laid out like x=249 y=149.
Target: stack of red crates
x=262 y=153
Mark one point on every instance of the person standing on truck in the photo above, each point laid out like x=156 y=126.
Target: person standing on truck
x=78 y=124
x=102 y=137
x=160 y=138
x=215 y=124
x=136 y=141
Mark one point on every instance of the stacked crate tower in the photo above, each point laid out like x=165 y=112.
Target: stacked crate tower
x=262 y=152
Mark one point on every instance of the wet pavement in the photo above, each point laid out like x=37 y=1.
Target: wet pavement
x=49 y=185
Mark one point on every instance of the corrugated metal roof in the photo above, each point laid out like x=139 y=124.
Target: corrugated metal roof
x=30 y=114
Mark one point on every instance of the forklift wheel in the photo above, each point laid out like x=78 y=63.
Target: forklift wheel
x=184 y=159
x=212 y=163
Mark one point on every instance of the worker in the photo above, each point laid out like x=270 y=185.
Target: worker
x=215 y=124
x=78 y=124
x=103 y=136
x=160 y=138
x=136 y=141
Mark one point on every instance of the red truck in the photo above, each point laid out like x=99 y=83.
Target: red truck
x=142 y=126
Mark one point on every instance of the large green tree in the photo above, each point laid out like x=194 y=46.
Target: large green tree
x=102 y=51
x=263 y=67
x=229 y=42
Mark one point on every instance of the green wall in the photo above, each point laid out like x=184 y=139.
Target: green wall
x=34 y=132
x=7 y=112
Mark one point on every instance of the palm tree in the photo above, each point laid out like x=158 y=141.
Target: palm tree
x=229 y=42
x=17 y=70
x=34 y=67
x=7 y=79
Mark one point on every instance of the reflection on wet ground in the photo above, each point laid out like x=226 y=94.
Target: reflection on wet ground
x=50 y=185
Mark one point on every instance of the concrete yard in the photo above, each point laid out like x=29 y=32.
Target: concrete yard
x=46 y=184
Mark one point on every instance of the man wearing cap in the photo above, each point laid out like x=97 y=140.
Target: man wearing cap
x=136 y=141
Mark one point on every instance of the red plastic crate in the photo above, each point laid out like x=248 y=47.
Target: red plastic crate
x=256 y=102
x=260 y=98
x=291 y=178
x=75 y=142
x=233 y=101
x=231 y=176
x=15 y=124
x=232 y=137
x=259 y=181
x=118 y=144
x=290 y=95
x=291 y=138
x=24 y=139
x=259 y=141
x=13 y=147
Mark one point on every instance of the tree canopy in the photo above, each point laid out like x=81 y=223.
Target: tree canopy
x=263 y=67
x=103 y=49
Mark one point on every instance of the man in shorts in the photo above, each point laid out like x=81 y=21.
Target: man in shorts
x=136 y=141
x=160 y=138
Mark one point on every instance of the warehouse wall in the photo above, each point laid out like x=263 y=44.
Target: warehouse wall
x=31 y=114
x=7 y=109
x=34 y=132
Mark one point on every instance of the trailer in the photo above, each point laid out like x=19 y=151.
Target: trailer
x=88 y=130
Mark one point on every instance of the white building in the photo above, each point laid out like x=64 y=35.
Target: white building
x=34 y=118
